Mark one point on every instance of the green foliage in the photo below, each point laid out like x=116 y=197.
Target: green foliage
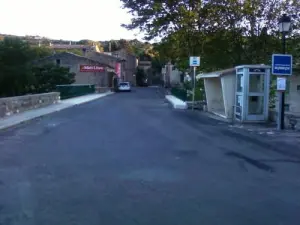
x=91 y=43
x=15 y=70
x=75 y=51
x=17 y=74
x=156 y=65
x=48 y=76
x=224 y=33
x=71 y=91
x=180 y=93
x=85 y=42
x=40 y=52
x=134 y=47
x=140 y=77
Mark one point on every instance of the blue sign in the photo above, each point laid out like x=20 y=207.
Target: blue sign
x=282 y=64
x=194 y=61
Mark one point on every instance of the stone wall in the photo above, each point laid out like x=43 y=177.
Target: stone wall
x=12 y=105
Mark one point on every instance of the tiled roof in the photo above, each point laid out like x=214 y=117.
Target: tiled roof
x=74 y=55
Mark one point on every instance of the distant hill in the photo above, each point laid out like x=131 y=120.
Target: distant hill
x=134 y=46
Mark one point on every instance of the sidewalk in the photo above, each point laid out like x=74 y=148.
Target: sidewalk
x=286 y=142
x=16 y=119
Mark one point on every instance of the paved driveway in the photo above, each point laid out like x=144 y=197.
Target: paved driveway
x=129 y=159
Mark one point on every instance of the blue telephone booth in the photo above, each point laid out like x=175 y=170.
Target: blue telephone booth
x=252 y=93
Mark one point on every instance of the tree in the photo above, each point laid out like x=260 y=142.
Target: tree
x=40 y=52
x=48 y=76
x=75 y=51
x=124 y=44
x=91 y=43
x=140 y=77
x=86 y=42
x=223 y=32
x=16 y=76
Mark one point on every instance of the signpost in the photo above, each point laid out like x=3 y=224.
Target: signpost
x=282 y=65
x=194 y=62
x=281 y=84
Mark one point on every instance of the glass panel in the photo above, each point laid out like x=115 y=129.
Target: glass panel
x=256 y=105
x=239 y=83
x=238 y=107
x=256 y=82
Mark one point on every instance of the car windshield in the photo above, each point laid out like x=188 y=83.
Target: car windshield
x=124 y=84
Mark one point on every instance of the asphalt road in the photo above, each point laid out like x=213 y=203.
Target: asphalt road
x=129 y=159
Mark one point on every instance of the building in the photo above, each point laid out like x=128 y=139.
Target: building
x=129 y=66
x=292 y=104
x=88 y=71
x=145 y=64
x=112 y=61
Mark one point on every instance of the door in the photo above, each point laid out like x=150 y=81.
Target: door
x=255 y=106
x=238 y=109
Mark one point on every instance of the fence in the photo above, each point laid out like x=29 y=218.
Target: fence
x=74 y=90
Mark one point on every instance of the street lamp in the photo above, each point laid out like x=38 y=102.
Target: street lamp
x=284 y=27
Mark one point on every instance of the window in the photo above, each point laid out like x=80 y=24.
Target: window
x=256 y=82
x=256 y=105
x=240 y=83
x=58 y=62
x=124 y=84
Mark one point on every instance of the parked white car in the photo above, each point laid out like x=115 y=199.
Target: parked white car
x=124 y=86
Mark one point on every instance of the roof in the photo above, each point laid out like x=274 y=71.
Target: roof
x=106 y=55
x=217 y=73
x=230 y=71
x=254 y=66
x=61 y=46
x=73 y=55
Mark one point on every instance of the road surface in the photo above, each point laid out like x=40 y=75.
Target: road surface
x=129 y=159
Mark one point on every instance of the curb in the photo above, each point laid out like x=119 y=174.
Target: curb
x=5 y=128
x=176 y=102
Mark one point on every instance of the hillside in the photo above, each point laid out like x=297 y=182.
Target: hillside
x=135 y=46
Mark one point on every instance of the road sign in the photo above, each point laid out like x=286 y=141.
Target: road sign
x=281 y=83
x=282 y=64
x=194 y=61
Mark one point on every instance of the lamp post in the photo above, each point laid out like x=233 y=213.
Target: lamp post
x=284 y=28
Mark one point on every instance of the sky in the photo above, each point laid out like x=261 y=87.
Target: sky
x=74 y=20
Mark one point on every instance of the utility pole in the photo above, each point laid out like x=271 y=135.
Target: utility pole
x=282 y=93
x=284 y=28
